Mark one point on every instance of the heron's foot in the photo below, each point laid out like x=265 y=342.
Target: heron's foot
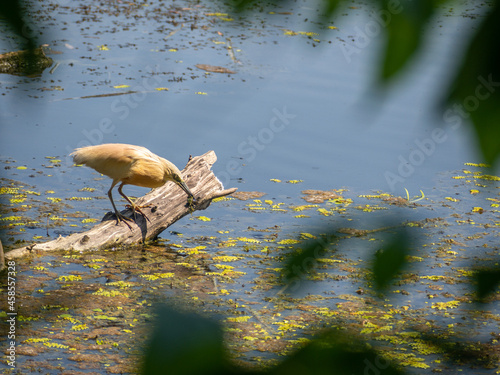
x=120 y=217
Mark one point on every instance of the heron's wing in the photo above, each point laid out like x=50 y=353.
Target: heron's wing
x=147 y=170
x=139 y=153
x=113 y=159
x=130 y=164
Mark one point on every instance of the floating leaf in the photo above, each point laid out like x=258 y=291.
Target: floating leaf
x=445 y=305
x=104 y=317
x=288 y=242
x=214 y=69
x=203 y=218
x=217 y=14
x=79 y=327
x=69 y=278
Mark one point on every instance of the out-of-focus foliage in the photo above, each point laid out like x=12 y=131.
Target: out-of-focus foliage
x=333 y=352
x=487 y=281
x=405 y=22
x=302 y=260
x=186 y=343
x=390 y=260
x=476 y=86
x=12 y=12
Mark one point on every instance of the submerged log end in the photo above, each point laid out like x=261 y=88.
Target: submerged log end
x=203 y=205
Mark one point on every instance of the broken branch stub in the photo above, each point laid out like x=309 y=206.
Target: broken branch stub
x=165 y=205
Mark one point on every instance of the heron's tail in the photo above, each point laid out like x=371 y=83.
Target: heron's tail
x=81 y=155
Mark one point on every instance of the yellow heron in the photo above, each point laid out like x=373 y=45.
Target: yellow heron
x=129 y=165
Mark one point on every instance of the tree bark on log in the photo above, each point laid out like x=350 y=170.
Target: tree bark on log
x=166 y=205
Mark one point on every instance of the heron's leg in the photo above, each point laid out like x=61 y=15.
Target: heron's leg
x=119 y=216
x=134 y=206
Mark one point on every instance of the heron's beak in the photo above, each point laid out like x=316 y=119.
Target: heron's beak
x=184 y=187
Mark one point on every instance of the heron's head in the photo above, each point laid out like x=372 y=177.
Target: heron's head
x=172 y=173
x=176 y=177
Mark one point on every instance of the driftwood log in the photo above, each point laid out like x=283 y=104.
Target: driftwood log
x=166 y=205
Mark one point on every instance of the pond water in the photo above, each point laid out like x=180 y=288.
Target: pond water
x=332 y=132
x=300 y=107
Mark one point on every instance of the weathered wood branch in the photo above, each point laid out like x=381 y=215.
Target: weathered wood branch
x=165 y=206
